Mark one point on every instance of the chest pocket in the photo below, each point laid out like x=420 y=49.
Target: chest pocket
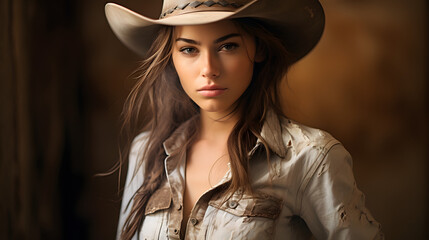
x=243 y=217
x=155 y=225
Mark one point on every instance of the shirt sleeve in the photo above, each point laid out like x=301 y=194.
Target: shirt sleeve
x=332 y=205
x=132 y=182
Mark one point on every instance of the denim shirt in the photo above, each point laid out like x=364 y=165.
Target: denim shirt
x=306 y=190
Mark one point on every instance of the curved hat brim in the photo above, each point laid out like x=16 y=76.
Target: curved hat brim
x=298 y=23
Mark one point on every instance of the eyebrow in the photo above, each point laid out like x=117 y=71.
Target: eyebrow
x=221 y=39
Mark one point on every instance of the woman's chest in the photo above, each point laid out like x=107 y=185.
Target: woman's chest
x=258 y=216
x=202 y=172
x=268 y=213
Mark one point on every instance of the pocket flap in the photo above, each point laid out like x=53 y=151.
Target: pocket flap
x=160 y=199
x=257 y=205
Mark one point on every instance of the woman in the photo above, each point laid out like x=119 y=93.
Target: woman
x=213 y=157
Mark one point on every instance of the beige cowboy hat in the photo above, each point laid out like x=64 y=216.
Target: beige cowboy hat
x=298 y=23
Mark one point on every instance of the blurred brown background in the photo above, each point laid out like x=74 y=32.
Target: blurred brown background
x=64 y=77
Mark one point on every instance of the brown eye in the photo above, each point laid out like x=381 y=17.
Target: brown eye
x=188 y=50
x=227 y=47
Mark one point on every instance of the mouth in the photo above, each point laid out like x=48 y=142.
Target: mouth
x=211 y=91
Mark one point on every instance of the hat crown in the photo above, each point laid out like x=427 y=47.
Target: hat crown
x=175 y=7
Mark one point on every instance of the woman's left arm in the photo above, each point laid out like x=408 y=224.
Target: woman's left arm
x=332 y=205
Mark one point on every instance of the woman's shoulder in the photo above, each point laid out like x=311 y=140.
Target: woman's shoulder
x=139 y=142
x=314 y=152
x=313 y=146
x=141 y=138
x=299 y=136
x=136 y=151
x=285 y=136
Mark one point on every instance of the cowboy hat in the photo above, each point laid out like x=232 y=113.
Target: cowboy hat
x=297 y=23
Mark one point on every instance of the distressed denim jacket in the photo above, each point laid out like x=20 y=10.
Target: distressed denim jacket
x=305 y=191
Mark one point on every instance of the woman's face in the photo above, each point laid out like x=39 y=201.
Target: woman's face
x=214 y=63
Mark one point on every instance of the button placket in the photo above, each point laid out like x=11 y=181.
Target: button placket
x=175 y=213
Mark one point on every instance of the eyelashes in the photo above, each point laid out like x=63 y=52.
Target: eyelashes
x=188 y=50
x=229 y=46
x=226 y=47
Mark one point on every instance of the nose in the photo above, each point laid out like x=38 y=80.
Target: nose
x=210 y=65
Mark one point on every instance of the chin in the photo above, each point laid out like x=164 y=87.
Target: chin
x=213 y=109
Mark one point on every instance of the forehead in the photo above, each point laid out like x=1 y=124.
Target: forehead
x=207 y=31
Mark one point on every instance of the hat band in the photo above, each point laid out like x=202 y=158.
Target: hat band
x=197 y=6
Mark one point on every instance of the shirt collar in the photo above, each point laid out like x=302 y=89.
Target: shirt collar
x=180 y=135
x=271 y=132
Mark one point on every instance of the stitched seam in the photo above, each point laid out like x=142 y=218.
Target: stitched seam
x=196 y=4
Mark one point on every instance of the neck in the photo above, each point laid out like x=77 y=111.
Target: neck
x=215 y=127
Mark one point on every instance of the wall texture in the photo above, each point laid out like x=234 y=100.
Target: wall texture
x=64 y=77
x=366 y=83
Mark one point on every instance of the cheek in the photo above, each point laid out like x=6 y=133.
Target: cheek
x=178 y=65
x=184 y=72
x=241 y=71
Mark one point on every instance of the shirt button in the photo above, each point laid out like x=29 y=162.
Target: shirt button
x=194 y=221
x=232 y=204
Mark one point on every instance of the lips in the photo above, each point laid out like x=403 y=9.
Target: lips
x=211 y=90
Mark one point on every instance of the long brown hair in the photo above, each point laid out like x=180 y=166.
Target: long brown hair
x=158 y=104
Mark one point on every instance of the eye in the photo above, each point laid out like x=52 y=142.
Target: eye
x=227 y=47
x=188 y=50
